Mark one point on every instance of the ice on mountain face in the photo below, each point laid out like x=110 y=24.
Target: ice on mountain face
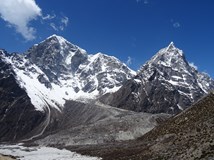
x=56 y=70
x=169 y=69
x=105 y=72
x=205 y=82
x=169 y=61
x=27 y=77
x=137 y=80
x=169 y=57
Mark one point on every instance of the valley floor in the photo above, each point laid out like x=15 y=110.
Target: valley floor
x=39 y=153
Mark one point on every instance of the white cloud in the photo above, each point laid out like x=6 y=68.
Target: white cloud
x=65 y=20
x=49 y=17
x=176 y=25
x=64 y=23
x=54 y=26
x=19 y=13
x=193 y=65
x=60 y=24
x=129 y=61
x=146 y=2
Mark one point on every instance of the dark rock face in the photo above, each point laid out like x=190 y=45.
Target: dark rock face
x=143 y=102
x=18 y=117
x=51 y=54
x=165 y=84
x=77 y=60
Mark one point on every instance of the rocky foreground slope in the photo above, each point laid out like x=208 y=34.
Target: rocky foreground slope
x=189 y=135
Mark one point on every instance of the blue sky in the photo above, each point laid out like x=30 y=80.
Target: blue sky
x=127 y=29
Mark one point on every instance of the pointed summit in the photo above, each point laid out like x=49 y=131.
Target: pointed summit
x=171 y=46
x=54 y=55
x=172 y=50
x=61 y=40
x=55 y=36
x=168 y=56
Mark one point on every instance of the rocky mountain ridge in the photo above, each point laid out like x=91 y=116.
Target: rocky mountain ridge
x=56 y=70
x=167 y=83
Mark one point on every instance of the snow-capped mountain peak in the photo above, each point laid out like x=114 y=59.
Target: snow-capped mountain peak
x=56 y=56
x=57 y=45
x=171 y=46
x=170 y=57
x=165 y=83
x=170 y=67
x=60 y=39
x=56 y=70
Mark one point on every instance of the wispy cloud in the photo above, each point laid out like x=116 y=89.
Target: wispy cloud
x=144 y=1
x=65 y=20
x=49 y=17
x=19 y=13
x=193 y=65
x=176 y=25
x=53 y=26
x=60 y=23
x=129 y=61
